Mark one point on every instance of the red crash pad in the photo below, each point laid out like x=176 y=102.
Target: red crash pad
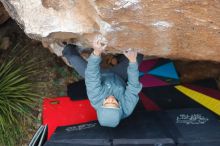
x=63 y=111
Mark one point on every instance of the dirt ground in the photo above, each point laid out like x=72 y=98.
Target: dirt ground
x=55 y=74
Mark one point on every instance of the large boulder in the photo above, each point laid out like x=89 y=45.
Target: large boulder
x=179 y=29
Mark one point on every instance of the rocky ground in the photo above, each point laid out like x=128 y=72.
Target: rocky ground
x=54 y=74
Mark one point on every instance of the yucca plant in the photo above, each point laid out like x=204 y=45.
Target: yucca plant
x=17 y=99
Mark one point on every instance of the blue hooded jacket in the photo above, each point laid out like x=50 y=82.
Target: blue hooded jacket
x=99 y=86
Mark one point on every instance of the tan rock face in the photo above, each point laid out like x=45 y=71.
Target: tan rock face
x=183 y=29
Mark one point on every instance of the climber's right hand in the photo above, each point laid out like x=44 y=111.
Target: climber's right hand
x=99 y=46
x=131 y=54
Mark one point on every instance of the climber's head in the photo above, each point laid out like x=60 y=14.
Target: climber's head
x=110 y=102
x=109 y=114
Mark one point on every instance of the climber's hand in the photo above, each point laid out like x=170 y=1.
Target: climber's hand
x=131 y=55
x=99 y=46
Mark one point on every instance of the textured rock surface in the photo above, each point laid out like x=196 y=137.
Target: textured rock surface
x=3 y=14
x=180 y=29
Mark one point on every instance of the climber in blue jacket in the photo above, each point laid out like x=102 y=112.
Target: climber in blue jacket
x=112 y=92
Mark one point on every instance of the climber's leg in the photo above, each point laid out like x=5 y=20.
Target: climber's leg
x=75 y=60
